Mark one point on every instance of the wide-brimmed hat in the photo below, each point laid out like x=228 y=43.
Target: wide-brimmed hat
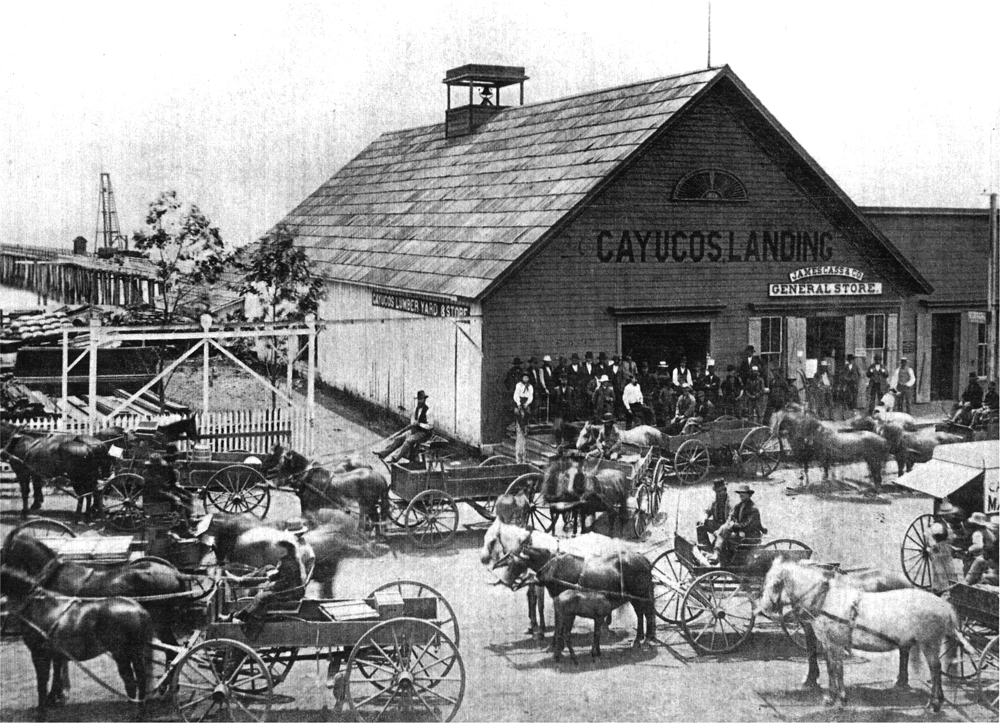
x=604 y=378
x=946 y=508
x=979 y=519
x=421 y=395
x=297 y=527
x=608 y=418
x=744 y=488
x=546 y=358
x=719 y=483
x=662 y=365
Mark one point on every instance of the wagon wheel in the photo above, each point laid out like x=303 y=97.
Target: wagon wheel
x=539 y=514
x=496 y=460
x=431 y=519
x=786 y=544
x=222 y=678
x=759 y=453
x=644 y=511
x=397 y=509
x=237 y=489
x=717 y=612
x=726 y=418
x=660 y=472
x=409 y=669
x=691 y=462
x=913 y=552
x=152 y=558
x=279 y=662
x=123 y=501
x=44 y=527
x=671 y=580
x=965 y=665
x=792 y=625
x=987 y=677
x=445 y=617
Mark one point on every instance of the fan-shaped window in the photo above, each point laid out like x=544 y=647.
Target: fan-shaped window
x=710 y=185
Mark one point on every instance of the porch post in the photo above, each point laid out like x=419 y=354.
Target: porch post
x=311 y=384
x=64 y=406
x=95 y=331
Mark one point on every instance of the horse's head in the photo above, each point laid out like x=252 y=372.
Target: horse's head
x=795 y=585
x=513 y=509
x=893 y=433
x=338 y=537
x=186 y=428
x=588 y=434
x=291 y=463
x=860 y=423
x=773 y=597
x=24 y=552
x=15 y=584
x=502 y=551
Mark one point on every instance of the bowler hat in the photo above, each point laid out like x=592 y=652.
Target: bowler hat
x=744 y=489
x=546 y=358
x=421 y=395
x=574 y=357
x=608 y=418
x=973 y=375
x=719 y=483
x=589 y=355
x=517 y=361
x=603 y=356
x=604 y=378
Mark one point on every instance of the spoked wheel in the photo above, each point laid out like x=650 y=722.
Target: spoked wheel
x=409 y=670
x=717 y=613
x=792 y=627
x=965 y=666
x=43 y=527
x=238 y=489
x=691 y=462
x=123 y=501
x=988 y=676
x=484 y=508
x=913 y=553
x=540 y=516
x=397 y=509
x=671 y=580
x=643 y=510
x=786 y=543
x=431 y=519
x=759 y=453
x=222 y=679
x=279 y=662
x=496 y=460
x=431 y=605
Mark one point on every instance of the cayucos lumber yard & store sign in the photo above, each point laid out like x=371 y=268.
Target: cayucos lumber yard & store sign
x=416 y=305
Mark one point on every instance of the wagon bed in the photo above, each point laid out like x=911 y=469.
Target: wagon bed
x=978 y=609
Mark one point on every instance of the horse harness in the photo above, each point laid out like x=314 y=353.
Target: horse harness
x=850 y=622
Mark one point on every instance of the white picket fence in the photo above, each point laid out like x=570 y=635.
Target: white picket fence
x=250 y=430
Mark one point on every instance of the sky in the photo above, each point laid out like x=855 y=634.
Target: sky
x=246 y=108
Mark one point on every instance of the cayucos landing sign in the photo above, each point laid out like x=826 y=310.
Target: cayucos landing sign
x=645 y=246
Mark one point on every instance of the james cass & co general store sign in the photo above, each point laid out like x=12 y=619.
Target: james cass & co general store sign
x=857 y=287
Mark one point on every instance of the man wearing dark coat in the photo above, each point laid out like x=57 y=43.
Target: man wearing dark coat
x=747 y=363
x=743 y=528
x=848 y=379
x=878 y=382
x=716 y=514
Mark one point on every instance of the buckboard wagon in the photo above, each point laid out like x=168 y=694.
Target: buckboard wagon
x=714 y=605
x=978 y=608
x=231 y=482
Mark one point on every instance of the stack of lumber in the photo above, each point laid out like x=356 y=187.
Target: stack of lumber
x=37 y=329
x=20 y=403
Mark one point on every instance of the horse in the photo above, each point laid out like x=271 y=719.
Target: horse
x=844 y=618
x=516 y=510
x=598 y=576
x=245 y=540
x=144 y=578
x=317 y=487
x=567 y=483
x=57 y=628
x=641 y=436
x=871 y=424
x=38 y=456
x=910 y=448
x=813 y=441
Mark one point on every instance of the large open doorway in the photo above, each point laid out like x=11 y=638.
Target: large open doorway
x=667 y=342
x=825 y=337
x=944 y=354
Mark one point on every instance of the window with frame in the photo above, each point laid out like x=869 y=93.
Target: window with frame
x=874 y=335
x=982 y=351
x=771 y=336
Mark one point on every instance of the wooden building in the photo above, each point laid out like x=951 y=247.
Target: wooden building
x=665 y=218
x=944 y=333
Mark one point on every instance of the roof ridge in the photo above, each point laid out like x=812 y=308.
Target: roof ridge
x=569 y=97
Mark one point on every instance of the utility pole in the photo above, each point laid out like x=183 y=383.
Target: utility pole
x=993 y=293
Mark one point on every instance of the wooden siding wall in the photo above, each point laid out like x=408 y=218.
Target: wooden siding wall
x=558 y=303
x=386 y=356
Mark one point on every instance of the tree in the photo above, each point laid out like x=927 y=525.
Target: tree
x=278 y=285
x=185 y=248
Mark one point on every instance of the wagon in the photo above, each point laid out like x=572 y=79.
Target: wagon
x=391 y=655
x=978 y=608
x=688 y=457
x=424 y=495
x=968 y=474
x=714 y=605
x=231 y=482
x=638 y=466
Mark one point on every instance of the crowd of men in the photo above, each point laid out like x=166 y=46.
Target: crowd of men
x=589 y=388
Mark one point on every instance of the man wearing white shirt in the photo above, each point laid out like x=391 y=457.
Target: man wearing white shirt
x=903 y=380
x=632 y=400
x=682 y=375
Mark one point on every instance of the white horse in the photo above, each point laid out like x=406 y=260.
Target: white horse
x=641 y=436
x=846 y=618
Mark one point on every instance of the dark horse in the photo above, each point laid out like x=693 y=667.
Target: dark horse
x=39 y=456
x=186 y=428
x=56 y=628
x=812 y=441
x=143 y=578
x=575 y=484
x=319 y=488
x=590 y=582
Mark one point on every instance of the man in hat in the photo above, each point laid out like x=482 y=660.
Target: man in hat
x=711 y=384
x=513 y=375
x=988 y=410
x=682 y=375
x=686 y=408
x=523 y=397
x=161 y=486
x=664 y=401
x=878 y=380
x=539 y=377
x=969 y=402
x=285 y=583
x=756 y=396
x=747 y=363
x=647 y=381
x=563 y=401
x=589 y=367
x=715 y=515
x=632 y=400
x=417 y=431
x=940 y=560
x=823 y=389
x=663 y=373
x=608 y=439
x=732 y=393
x=847 y=381
x=983 y=551
x=903 y=380
x=603 y=399
x=743 y=528
x=626 y=370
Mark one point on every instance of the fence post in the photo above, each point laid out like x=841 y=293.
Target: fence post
x=95 y=331
x=310 y=386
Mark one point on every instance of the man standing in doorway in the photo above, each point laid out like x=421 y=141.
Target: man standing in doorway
x=878 y=378
x=903 y=380
x=749 y=361
x=848 y=379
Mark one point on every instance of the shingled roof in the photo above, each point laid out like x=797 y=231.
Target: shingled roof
x=452 y=216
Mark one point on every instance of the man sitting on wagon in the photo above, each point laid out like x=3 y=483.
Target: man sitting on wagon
x=161 y=486
x=742 y=529
x=609 y=442
x=687 y=408
x=284 y=584
x=716 y=514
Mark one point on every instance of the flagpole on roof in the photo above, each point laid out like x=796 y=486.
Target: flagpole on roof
x=709 y=34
